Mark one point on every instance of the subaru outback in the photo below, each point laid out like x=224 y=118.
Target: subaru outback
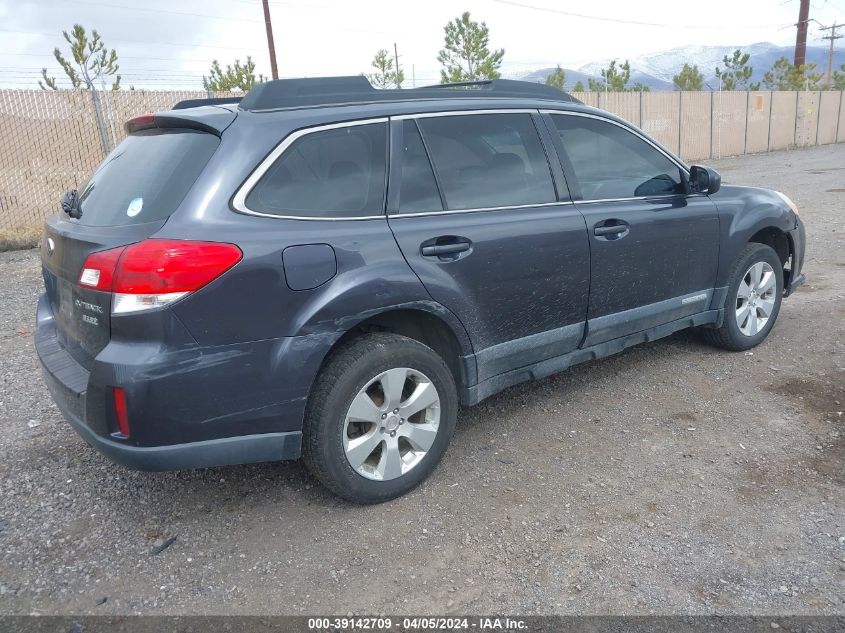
x=325 y=270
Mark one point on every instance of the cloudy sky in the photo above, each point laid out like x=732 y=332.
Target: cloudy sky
x=167 y=44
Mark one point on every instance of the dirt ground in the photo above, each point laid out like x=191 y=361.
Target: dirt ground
x=673 y=478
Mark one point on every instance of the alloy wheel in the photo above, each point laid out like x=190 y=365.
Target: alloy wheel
x=391 y=424
x=755 y=298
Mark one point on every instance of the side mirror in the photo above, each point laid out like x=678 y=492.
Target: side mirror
x=703 y=179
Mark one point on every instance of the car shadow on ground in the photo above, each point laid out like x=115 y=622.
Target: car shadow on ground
x=234 y=489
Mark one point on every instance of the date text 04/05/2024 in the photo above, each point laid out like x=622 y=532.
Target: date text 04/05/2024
x=417 y=623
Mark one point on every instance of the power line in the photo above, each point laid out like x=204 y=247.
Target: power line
x=834 y=5
x=152 y=10
x=144 y=57
x=273 y=3
x=182 y=44
x=621 y=21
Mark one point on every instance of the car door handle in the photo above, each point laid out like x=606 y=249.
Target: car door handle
x=613 y=227
x=445 y=249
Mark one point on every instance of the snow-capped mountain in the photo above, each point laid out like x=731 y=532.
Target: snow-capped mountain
x=656 y=70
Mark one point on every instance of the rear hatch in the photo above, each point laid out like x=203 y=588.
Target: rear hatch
x=128 y=198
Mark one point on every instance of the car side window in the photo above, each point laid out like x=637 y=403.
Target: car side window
x=337 y=172
x=488 y=160
x=417 y=189
x=611 y=162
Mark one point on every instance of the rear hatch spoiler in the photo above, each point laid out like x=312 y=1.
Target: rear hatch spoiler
x=214 y=101
x=206 y=118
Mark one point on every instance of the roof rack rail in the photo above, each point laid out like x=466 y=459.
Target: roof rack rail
x=195 y=103
x=295 y=93
x=527 y=88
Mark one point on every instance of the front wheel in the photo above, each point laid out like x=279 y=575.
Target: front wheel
x=379 y=418
x=753 y=300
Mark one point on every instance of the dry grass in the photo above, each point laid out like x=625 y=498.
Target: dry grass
x=19 y=238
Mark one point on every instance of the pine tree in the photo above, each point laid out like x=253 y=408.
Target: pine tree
x=89 y=61
x=466 y=55
x=579 y=86
x=737 y=72
x=385 y=76
x=557 y=79
x=615 y=79
x=239 y=76
x=784 y=75
x=689 y=78
x=839 y=78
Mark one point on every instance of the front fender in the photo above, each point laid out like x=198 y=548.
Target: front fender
x=744 y=211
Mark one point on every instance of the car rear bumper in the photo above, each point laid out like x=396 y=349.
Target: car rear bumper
x=209 y=433
x=247 y=449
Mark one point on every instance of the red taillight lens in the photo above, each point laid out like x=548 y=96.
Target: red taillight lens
x=164 y=266
x=153 y=273
x=120 y=411
x=99 y=268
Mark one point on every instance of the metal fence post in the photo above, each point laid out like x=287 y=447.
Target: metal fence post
x=98 y=115
x=838 y=118
x=719 y=130
x=680 y=118
x=711 y=124
x=769 y=133
x=747 y=105
x=795 y=132
x=818 y=117
x=641 y=108
x=107 y=111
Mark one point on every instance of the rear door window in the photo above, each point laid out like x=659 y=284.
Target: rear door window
x=610 y=162
x=146 y=177
x=488 y=160
x=417 y=189
x=337 y=172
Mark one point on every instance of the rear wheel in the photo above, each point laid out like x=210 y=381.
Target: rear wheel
x=753 y=300
x=379 y=418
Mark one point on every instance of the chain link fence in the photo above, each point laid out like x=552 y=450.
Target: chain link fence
x=51 y=141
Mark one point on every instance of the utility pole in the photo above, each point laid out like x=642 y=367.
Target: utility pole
x=396 y=61
x=832 y=37
x=801 y=38
x=273 y=70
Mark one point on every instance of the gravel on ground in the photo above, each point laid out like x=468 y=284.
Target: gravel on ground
x=672 y=478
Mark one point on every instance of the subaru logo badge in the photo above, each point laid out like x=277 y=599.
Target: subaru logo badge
x=51 y=246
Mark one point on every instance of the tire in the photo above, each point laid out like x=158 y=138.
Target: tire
x=364 y=372
x=732 y=335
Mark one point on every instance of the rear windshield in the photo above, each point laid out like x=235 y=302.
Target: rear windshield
x=146 y=177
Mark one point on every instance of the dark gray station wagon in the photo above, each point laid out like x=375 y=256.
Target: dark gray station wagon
x=328 y=271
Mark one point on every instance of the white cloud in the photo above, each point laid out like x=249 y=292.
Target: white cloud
x=166 y=44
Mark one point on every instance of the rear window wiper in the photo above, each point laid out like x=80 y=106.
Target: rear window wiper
x=70 y=204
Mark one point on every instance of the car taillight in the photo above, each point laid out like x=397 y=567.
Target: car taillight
x=155 y=273
x=98 y=269
x=121 y=413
